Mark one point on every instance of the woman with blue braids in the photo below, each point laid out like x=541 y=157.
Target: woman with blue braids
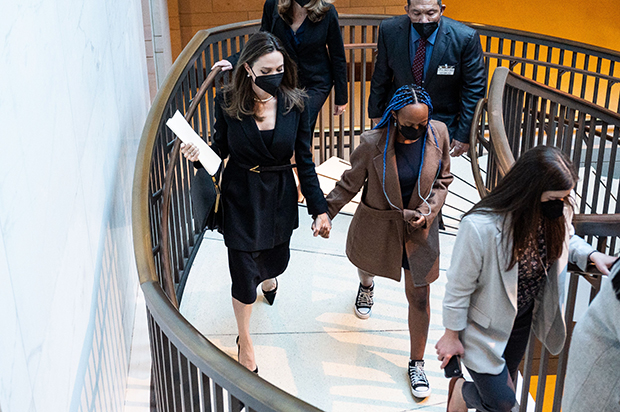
x=403 y=164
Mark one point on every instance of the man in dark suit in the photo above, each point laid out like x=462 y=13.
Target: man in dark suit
x=449 y=66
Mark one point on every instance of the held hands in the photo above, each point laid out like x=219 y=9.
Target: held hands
x=223 y=64
x=414 y=218
x=322 y=225
x=602 y=262
x=448 y=346
x=458 y=148
x=190 y=151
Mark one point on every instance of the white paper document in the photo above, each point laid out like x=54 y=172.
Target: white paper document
x=209 y=159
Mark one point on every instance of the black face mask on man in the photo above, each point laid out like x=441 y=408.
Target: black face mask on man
x=269 y=83
x=410 y=132
x=552 y=209
x=425 y=29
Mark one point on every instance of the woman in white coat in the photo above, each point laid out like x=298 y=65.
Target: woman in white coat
x=506 y=277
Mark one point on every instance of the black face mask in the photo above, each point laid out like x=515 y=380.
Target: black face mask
x=425 y=29
x=302 y=2
x=410 y=132
x=552 y=209
x=269 y=83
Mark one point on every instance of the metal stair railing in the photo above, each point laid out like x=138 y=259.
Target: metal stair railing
x=189 y=373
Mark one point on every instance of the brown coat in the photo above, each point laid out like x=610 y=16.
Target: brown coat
x=378 y=231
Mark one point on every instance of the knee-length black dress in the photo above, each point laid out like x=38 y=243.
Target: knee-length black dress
x=259 y=194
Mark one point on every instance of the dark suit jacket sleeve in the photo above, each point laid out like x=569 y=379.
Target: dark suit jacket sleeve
x=381 y=82
x=474 y=85
x=308 y=179
x=219 y=142
x=337 y=56
x=267 y=20
x=352 y=179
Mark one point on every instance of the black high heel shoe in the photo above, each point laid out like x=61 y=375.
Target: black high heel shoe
x=270 y=295
x=239 y=350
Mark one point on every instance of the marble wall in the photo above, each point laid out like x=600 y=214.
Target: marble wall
x=73 y=99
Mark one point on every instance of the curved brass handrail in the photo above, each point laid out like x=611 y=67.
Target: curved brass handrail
x=476 y=138
x=503 y=76
x=143 y=242
x=559 y=42
x=172 y=161
x=495 y=107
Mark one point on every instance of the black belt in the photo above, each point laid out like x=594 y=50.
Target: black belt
x=259 y=169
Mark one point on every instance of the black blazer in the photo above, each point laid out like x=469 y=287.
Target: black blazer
x=260 y=209
x=454 y=96
x=318 y=67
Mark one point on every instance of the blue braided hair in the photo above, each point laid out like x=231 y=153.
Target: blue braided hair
x=403 y=96
x=407 y=94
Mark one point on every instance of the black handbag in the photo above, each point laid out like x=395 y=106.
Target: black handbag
x=206 y=201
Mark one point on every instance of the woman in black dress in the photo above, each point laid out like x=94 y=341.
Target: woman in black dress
x=310 y=32
x=260 y=121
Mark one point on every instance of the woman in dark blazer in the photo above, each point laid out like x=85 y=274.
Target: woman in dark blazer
x=260 y=121
x=310 y=32
x=403 y=164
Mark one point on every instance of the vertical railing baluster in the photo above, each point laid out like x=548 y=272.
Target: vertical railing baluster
x=363 y=76
x=571 y=82
x=584 y=81
x=535 y=66
x=563 y=356
x=558 y=79
x=219 y=398
x=580 y=133
x=542 y=118
x=559 y=141
x=542 y=379
x=611 y=170
x=599 y=168
x=527 y=372
x=207 y=394
x=588 y=164
x=551 y=128
x=547 y=69
x=597 y=80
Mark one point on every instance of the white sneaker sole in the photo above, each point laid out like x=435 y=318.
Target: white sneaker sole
x=421 y=393
x=361 y=315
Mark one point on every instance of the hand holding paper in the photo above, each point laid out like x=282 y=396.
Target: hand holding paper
x=207 y=157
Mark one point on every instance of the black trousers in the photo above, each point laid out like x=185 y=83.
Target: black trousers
x=316 y=100
x=495 y=393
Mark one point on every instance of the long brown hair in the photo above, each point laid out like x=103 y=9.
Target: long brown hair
x=239 y=95
x=316 y=10
x=518 y=195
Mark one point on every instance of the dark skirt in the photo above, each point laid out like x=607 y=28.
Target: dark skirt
x=249 y=269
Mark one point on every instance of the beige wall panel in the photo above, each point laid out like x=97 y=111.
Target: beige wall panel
x=173 y=7
x=196 y=6
x=395 y=10
x=561 y=18
x=361 y=10
x=176 y=43
x=237 y=5
x=373 y=3
x=206 y=20
x=342 y=3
